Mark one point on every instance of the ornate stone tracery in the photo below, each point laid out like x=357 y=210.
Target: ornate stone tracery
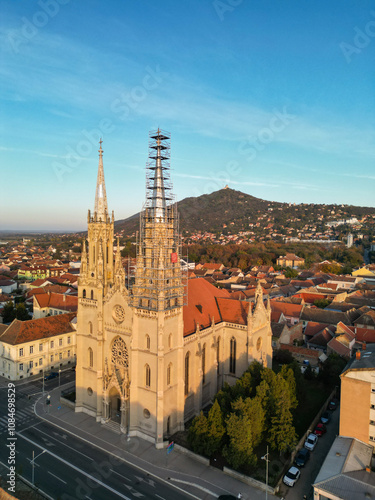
x=119 y=353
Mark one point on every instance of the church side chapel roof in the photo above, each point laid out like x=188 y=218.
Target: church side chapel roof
x=201 y=306
x=207 y=303
x=19 y=332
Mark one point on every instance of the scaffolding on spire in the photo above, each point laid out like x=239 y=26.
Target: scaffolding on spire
x=160 y=284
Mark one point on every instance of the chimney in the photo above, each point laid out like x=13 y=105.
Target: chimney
x=363 y=346
x=358 y=355
x=64 y=297
x=368 y=469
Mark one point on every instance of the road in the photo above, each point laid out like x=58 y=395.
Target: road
x=66 y=467
x=312 y=468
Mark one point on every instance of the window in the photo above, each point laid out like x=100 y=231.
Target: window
x=52 y=344
x=148 y=342
x=40 y=347
x=60 y=355
x=204 y=364
x=92 y=295
x=31 y=364
x=51 y=358
x=21 y=367
x=69 y=340
x=147 y=376
x=40 y=361
x=68 y=354
x=84 y=293
x=232 y=356
x=169 y=374
x=187 y=360
x=60 y=342
x=170 y=341
x=90 y=327
x=372 y=422
x=31 y=349
x=218 y=355
x=21 y=351
x=91 y=358
x=372 y=407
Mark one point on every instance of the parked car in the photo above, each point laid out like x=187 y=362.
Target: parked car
x=292 y=476
x=326 y=417
x=311 y=441
x=302 y=457
x=51 y=375
x=320 y=429
x=332 y=405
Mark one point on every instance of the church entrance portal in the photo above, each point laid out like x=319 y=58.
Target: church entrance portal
x=115 y=405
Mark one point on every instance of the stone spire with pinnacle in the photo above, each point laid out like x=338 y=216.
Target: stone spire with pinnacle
x=101 y=208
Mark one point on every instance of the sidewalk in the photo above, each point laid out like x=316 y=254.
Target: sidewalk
x=198 y=479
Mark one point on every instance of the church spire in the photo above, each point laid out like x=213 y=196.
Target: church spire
x=158 y=178
x=101 y=208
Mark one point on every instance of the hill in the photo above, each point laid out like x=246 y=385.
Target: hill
x=230 y=211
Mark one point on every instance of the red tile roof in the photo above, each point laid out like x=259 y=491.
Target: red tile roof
x=35 y=329
x=313 y=327
x=289 y=310
x=233 y=311
x=57 y=301
x=202 y=305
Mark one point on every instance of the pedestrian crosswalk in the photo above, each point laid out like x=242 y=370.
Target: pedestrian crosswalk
x=22 y=417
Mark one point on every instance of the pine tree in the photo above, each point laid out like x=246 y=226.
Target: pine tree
x=197 y=435
x=288 y=375
x=216 y=429
x=239 y=451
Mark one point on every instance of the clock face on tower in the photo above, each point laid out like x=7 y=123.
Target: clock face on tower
x=118 y=313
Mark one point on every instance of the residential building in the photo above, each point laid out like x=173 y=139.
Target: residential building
x=358 y=391
x=36 y=346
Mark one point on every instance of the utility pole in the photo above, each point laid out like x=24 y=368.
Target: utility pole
x=265 y=457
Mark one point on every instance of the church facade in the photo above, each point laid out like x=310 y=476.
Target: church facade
x=151 y=353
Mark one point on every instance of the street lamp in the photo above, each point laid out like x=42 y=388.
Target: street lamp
x=33 y=465
x=265 y=457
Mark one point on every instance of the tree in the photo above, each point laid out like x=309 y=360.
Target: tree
x=282 y=434
x=239 y=451
x=9 y=312
x=321 y=303
x=197 y=435
x=216 y=429
x=21 y=312
x=287 y=374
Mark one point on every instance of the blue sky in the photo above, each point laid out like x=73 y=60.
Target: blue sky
x=275 y=99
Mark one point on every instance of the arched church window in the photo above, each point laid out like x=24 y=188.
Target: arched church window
x=90 y=328
x=169 y=374
x=92 y=294
x=204 y=364
x=187 y=368
x=84 y=293
x=119 y=353
x=259 y=343
x=91 y=358
x=148 y=342
x=232 y=356
x=147 y=376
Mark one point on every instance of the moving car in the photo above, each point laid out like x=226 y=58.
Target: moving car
x=292 y=476
x=311 y=441
x=302 y=457
x=51 y=375
x=320 y=429
x=326 y=417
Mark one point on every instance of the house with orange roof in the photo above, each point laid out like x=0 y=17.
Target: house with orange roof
x=292 y=312
x=51 y=304
x=290 y=260
x=31 y=347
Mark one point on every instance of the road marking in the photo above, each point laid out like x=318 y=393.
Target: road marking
x=75 y=468
x=146 y=480
x=57 y=477
x=70 y=447
x=196 y=486
x=132 y=464
x=162 y=498
x=124 y=477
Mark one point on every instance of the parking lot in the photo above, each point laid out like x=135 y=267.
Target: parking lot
x=311 y=469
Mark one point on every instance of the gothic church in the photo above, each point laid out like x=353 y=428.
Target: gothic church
x=152 y=351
